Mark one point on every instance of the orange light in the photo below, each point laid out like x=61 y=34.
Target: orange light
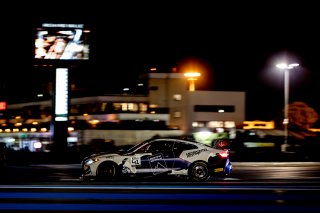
x=192 y=74
x=192 y=77
x=3 y=105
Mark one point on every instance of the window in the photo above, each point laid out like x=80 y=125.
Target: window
x=179 y=147
x=177 y=114
x=103 y=107
x=198 y=124
x=143 y=107
x=214 y=108
x=125 y=107
x=157 y=147
x=161 y=146
x=215 y=124
x=177 y=97
x=153 y=88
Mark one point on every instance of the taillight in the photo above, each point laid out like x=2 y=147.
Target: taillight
x=223 y=154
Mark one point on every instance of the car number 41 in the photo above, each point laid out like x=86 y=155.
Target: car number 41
x=135 y=161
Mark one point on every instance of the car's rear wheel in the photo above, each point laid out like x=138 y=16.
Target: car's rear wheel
x=107 y=171
x=199 y=171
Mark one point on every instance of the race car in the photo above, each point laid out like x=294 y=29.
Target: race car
x=156 y=156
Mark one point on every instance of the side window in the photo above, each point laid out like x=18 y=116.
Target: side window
x=153 y=148
x=166 y=146
x=161 y=147
x=179 y=147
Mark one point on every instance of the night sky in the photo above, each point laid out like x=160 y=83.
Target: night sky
x=238 y=44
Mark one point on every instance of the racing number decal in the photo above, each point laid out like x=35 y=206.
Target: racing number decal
x=136 y=161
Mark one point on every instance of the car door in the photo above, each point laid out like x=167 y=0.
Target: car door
x=163 y=156
x=158 y=157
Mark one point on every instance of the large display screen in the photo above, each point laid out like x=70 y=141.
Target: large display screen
x=62 y=42
x=61 y=95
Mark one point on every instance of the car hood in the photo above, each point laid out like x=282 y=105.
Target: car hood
x=103 y=154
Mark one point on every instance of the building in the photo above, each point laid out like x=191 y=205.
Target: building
x=190 y=110
x=169 y=108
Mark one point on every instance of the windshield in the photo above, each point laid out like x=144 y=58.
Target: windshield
x=139 y=145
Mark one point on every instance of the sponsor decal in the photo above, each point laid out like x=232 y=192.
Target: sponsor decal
x=157 y=163
x=218 y=170
x=196 y=152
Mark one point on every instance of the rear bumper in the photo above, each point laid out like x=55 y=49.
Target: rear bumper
x=220 y=166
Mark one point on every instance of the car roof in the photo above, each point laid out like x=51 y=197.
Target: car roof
x=185 y=140
x=173 y=139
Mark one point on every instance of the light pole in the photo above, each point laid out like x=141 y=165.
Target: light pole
x=286 y=68
x=192 y=77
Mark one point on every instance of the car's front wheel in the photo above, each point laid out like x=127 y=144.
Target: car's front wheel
x=199 y=171
x=107 y=171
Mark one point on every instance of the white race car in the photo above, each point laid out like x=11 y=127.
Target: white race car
x=168 y=156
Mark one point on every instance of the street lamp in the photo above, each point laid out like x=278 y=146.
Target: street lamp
x=192 y=77
x=286 y=68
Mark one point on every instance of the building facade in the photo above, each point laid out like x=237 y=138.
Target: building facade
x=190 y=110
x=168 y=109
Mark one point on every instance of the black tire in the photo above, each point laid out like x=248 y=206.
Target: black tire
x=199 y=171
x=107 y=171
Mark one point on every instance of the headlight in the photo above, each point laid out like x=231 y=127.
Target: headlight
x=91 y=161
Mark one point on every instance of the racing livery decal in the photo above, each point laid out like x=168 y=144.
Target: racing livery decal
x=157 y=163
x=196 y=152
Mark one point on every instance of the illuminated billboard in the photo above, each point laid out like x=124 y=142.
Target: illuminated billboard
x=61 y=95
x=62 y=42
